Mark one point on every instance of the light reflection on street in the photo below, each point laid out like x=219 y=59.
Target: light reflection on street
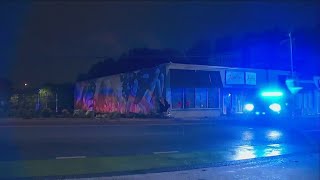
x=245 y=152
x=274 y=145
x=274 y=135
x=273 y=150
x=249 y=152
x=268 y=143
x=247 y=136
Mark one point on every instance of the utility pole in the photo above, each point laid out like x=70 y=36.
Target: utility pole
x=46 y=95
x=294 y=88
x=291 y=54
x=56 y=102
x=38 y=103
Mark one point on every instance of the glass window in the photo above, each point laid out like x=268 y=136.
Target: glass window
x=189 y=98
x=213 y=98
x=176 y=96
x=201 y=97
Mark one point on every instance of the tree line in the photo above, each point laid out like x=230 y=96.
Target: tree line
x=267 y=50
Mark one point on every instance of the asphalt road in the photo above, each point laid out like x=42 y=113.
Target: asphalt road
x=79 y=141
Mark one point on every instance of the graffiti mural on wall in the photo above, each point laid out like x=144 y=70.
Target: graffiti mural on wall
x=136 y=92
x=84 y=95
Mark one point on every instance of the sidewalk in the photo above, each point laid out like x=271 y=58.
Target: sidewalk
x=296 y=167
x=313 y=122
x=78 y=121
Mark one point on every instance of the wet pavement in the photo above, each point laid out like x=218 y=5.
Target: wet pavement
x=235 y=142
x=297 y=167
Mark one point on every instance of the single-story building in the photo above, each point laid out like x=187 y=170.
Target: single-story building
x=191 y=90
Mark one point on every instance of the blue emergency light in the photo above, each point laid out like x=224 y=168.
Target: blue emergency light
x=272 y=94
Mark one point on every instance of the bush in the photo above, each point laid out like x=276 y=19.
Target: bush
x=105 y=115
x=98 y=115
x=3 y=112
x=24 y=113
x=130 y=115
x=13 y=112
x=140 y=115
x=154 y=115
x=115 y=115
x=89 y=114
x=79 y=113
x=46 y=112
x=66 y=113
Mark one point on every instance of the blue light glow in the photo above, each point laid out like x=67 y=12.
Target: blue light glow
x=275 y=107
x=273 y=150
x=248 y=107
x=245 y=152
x=247 y=136
x=274 y=135
x=272 y=94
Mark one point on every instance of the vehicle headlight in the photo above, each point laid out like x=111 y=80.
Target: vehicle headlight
x=275 y=107
x=248 y=107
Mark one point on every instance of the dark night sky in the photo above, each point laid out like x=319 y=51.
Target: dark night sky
x=56 y=41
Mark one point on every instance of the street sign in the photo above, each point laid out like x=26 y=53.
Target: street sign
x=293 y=86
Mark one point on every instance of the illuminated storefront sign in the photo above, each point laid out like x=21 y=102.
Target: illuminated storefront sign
x=251 y=78
x=241 y=78
x=234 y=77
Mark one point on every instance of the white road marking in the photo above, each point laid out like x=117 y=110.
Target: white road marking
x=71 y=157
x=165 y=152
x=159 y=133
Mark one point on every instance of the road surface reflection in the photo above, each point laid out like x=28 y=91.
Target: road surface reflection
x=250 y=151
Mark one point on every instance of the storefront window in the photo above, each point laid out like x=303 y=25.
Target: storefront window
x=177 y=98
x=189 y=97
x=201 y=97
x=186 y=98
x=213 y=97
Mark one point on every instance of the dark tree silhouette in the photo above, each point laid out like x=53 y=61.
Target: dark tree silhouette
x=200 y=52
x=134 y=59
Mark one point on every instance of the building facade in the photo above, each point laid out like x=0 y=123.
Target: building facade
x=191 y=90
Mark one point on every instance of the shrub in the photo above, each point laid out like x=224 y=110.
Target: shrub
x=3 y=112
x=105 y=115
x=122 y=115
x=24 y=113
x=115 y=115
x=99 y=115
x=140 y=115
x=65 y=113
x=89 y=114
x=13 y=112
x=130 y=115
x=155 y=115
x=79 y=113
x=46 y=112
